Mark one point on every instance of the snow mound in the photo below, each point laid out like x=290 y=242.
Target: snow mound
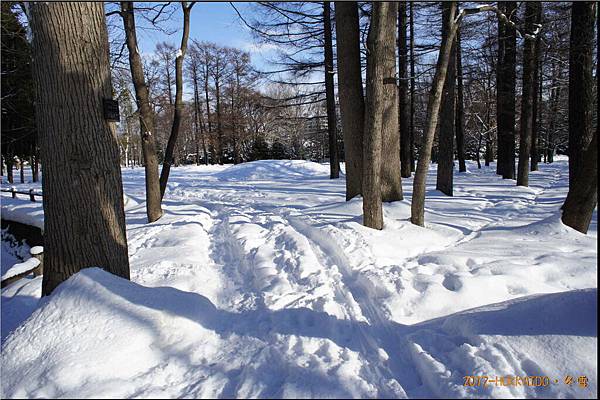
x=21 y=267
x=274 y=169
x=99 y=335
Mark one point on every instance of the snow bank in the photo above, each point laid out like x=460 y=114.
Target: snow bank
x=21 y=267
x=273 y=170
x=104 y=336
x=23 y=211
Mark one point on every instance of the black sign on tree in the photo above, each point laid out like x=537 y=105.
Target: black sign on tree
x=111 y=110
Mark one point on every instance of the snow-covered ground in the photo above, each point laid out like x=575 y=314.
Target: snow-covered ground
x=259 y=281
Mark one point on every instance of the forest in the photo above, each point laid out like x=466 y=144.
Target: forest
x=299 y=199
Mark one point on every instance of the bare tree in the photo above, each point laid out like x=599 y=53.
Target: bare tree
x=84 y=220
x=403 y=93
x=379 y=107
x=459 y=115
x=350 y=91
x=168 y=160
x=334 y=161
x=148 y=135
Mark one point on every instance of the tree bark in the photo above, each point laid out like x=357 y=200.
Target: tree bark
x=142 y=97
x=445 y=171
x=379 y=48
x=460 y=133
x=581 y=84
x=403 y=92
x=433 y=108
x=334 y=161
x=532 y=11
x=583 y=193
x=506 y=95
x=537 y=102
x=391 y=180
x=350 y=92
x=175 y=128
x=412 y=89
x=84 y=220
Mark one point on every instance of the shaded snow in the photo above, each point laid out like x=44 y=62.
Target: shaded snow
x=260 y=281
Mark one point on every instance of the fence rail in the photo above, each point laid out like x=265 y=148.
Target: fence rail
x=14 y=192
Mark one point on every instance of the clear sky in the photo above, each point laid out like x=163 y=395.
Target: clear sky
x=214 y=22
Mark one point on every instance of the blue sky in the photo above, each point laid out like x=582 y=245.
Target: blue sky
x=214 y=22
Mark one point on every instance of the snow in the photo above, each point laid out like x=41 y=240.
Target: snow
x=260 y=281
x=20 y=209
x=19 y=268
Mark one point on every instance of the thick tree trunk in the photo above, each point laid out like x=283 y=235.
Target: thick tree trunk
x=583 y=193
x=175 y=128
x=412 y=89
x=334 y=161
x=391 y=180
x=536 y=108
x=581 y=84
x=350 y=92
x=460 y=133
x=433 y=109
x=445 y=171
x=532 y=10
x=505 y=83
x=84 y=221
x=148 y=135
x=379 y=109
x=403 y=92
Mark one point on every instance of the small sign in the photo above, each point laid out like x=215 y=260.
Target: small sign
x=389 y=81
x=111 y=110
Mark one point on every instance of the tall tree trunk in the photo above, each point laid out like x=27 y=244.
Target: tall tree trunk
x=403 y=92
x=505 y=83
x=412 y=89
x=84 y=221
x=460 y=133
x=208 y=121
x=532 y=13
x=175 y=128
x=21 y=169
x=148 y=135
x=581 y=84
x=537 y=105
x=445 y=171
x=391 y=180
x=221 y=158
x=10 y=162
x=417 y=216
x=378 y=108
x=583 y=193
x=334 y=161
x=350 y=92
x=198 y=128
x=36 y=165
x=554 y=105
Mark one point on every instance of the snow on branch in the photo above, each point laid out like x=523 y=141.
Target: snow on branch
x=501 y=16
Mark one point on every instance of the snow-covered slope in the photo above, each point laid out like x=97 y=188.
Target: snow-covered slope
x=260 y=281
x=99 y=335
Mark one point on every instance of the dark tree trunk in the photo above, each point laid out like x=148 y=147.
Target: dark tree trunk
x=583 y=193
x=403 y=92
x=10 y=162
x=208 y=121
x=532 y=14
x=219 y=146
x=536 y=108
x=445 y=171
x=505 y=83
x=21 y=170
x=581 y=84
x=379 y=108
x=334 y=161
x=148 y=135
x=417 y=216
x=412 y=89
x=350 y=91
x=391 y=180
x=460 y=134
x=554 y=105
x=84 y=221
x=175 y=128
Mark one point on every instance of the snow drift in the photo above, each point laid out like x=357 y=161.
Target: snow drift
x=100 y=335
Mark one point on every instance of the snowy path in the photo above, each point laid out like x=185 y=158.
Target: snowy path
x=275 y=288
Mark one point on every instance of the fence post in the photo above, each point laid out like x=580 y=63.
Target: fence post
x=38 y=252
x=31 y=195
x=13 y=192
